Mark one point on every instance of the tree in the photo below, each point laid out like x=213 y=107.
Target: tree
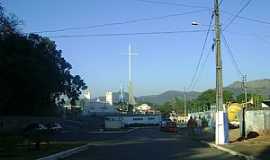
x=209 y=97
x=8 y=24
x=175 y=104
x=166 y=108
x=257 y=99
x=241 y=98
x=34 y=75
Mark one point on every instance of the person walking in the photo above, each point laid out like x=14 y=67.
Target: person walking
x=189 y=125
x=199 y=126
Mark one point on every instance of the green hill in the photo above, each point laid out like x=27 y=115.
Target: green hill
x=167 y=96
x=260 y=87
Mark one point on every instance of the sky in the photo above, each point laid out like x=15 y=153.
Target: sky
x=163 y=62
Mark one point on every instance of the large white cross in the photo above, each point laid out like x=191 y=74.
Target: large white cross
x=130 y=54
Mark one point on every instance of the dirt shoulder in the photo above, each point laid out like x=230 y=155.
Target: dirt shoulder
x=258 y=147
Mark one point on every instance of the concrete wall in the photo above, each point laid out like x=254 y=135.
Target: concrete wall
x=258 y=121
x=113 y=122
x=208 y=115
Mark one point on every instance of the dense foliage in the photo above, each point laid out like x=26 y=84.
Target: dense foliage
x=34 y=75
x=205 y=100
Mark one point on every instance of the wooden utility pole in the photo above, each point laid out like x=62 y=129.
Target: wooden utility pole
x=219 y=80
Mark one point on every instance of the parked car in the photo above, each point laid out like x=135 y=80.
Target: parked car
x=34 y=128
x=171 y=127
x=54 y=127
x=168 y=126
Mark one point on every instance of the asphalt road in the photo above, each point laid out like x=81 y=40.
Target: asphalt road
x=151 y=144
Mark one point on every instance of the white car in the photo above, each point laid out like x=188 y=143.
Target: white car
x=54 y=126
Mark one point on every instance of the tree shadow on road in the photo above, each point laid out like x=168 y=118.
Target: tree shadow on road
x=156 y=149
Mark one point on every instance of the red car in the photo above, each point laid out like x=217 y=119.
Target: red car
x=168 y=127
x=171 y=127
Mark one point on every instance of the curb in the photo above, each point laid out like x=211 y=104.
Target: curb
x=232 y=152
x=108 y=132
x=66 y=153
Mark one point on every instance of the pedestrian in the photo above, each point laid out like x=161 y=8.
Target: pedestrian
x=199 y=126
x=194 y=126
x=189 y=125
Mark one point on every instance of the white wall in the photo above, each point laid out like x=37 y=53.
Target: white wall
x=210 y=116
x=154 y=119
x=113 y=122
x=135 y=119
x=258 y=121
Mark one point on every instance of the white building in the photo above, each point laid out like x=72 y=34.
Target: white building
x=143 y=108
x=87 y=94
x=109 y=97
x=99 y=108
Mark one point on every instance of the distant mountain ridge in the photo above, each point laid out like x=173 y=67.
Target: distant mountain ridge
x=167 y=96
x=261 y=87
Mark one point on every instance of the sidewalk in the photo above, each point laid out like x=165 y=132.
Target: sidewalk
x=258 y=147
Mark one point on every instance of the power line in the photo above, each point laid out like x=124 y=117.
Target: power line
x=234 y=61
x=201 y=55
x=172 y=4
x=248 y=18
x=202 y=69
x=236 y=15
x=126 y=34
x=120 y=23
x=220 y=3
x=205 y=61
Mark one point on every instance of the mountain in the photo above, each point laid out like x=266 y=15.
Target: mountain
x=260 y=87
x=166 y=96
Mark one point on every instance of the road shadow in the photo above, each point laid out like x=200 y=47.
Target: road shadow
x=153 y=148
x=265 y=154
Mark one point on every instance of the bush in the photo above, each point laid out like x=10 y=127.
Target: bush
x=37 y=137
x=8 y=143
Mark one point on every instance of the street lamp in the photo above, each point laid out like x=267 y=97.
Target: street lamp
x=194 y=23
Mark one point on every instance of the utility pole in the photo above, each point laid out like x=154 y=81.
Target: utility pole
x=219 y=81
x=244 y=87
x=221 y=116
x=244 y=81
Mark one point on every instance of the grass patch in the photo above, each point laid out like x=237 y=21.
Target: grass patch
x=23 y=151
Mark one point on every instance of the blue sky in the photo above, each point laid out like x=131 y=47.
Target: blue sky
x=165 y=62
